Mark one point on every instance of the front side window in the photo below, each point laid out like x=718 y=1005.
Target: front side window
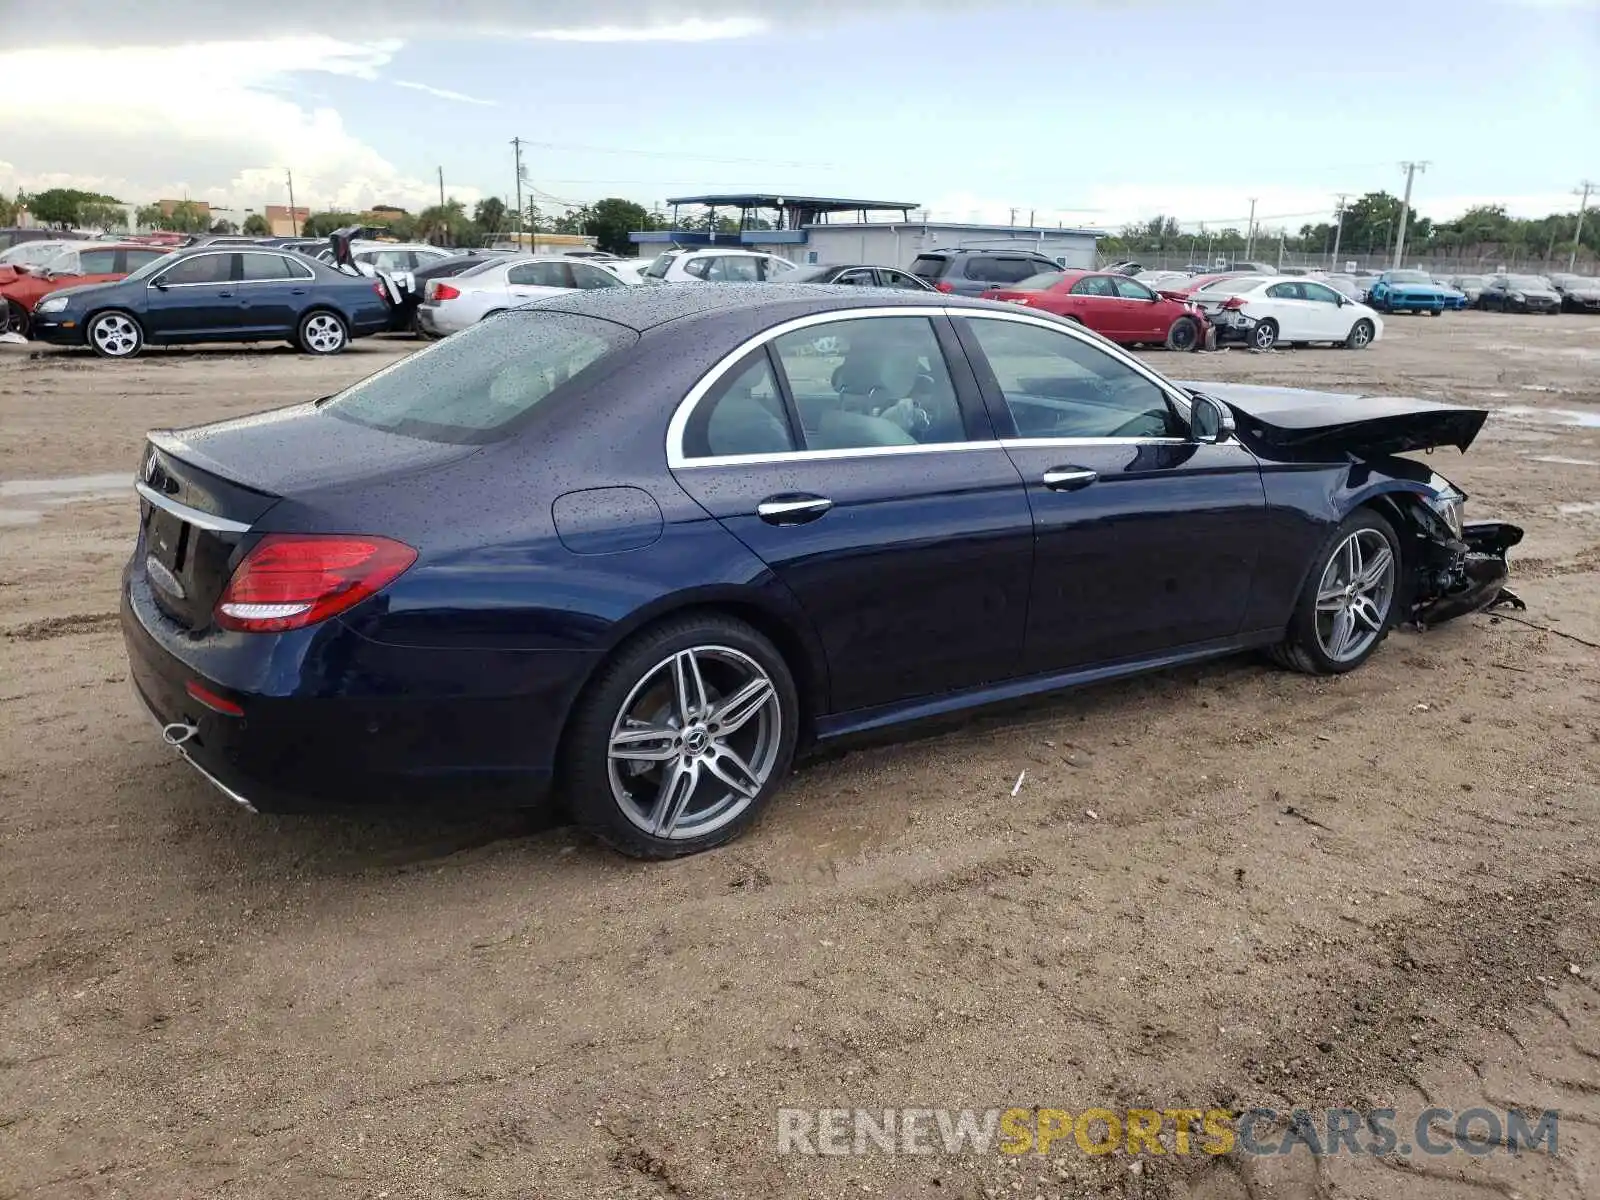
x=743 y=414
x=478 y=385
x=870 y=382
x=1286 y=291
x=203 y=268
x=858 y=278
x=696 y=268
x=658 y=267
x=1320 y=293
x=1131 y=289
x=1059 y=386
x=775 y=268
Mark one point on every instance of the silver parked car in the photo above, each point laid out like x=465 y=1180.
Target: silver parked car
x=451 y=305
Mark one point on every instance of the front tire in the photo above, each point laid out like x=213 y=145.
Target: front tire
x=1349 y=601
x=1265 y=335
x=681 y=740
x=115 y=335
x=322 y=332
x=16 y=319
x=1361 y=334
x=1184 y=334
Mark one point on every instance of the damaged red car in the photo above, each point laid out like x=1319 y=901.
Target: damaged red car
x=1114 y=306
x=22 y=287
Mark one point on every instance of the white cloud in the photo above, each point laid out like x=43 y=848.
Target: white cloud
x=443 y=93
x=226 y=135
x=694 y=29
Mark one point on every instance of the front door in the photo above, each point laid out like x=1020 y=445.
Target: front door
x=1146 y=539
x=195 y=298
x=853 y=456
x=1327 y=306
x=1141 y=310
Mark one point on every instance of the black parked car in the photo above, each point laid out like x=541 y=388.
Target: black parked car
x=1520 y=293
x=859 y=276
x=967 y=272
x=232 y=294
x=644 y=544
x=1579 y=293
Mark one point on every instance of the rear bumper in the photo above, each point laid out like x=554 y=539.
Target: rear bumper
x=334 y=720
x=439 y=321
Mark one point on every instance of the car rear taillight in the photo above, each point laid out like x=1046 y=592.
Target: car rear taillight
x=1234 y=303
x=442 y=291
x=943 y=286
x=291 y=580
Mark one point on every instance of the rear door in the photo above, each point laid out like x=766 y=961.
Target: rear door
x=273 y=290
x=197 y=298
x=1146 y=541
x=854 y=457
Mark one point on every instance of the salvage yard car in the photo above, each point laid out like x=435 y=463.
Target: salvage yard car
x=1114 y=305
x=217 y=295
x=1580 y=293
x=1408 y=291
x=642 y=545
x=1264 y=312
x=76 y=263
x=1519 y=293
x=714 y=266
x=452 y=304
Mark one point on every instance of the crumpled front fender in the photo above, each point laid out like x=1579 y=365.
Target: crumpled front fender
x=1478 y=578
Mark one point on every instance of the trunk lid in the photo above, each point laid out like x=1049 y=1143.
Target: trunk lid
x=202 y=490
x=1287 y=423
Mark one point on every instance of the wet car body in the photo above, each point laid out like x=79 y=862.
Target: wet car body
x=541 y=553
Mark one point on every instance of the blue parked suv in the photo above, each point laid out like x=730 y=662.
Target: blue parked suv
x=217 y=294
x=1409 y=291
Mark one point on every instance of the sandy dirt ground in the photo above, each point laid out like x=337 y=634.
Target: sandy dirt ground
x=1224 y=886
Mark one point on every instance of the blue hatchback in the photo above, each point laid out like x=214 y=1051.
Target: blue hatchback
x=232 y=294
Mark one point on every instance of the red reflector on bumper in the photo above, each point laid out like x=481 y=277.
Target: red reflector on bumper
x=211 y=700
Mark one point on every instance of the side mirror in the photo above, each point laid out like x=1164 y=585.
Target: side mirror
x=159 y=284
x=1210 y=420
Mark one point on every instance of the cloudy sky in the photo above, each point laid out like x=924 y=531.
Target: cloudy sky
x=1084 y=111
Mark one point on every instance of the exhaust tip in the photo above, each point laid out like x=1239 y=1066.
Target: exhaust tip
x=178 y=732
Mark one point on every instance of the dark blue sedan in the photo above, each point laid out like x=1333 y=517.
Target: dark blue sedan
x=644 y=545
x=217 y=294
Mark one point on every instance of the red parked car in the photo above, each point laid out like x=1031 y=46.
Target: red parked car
x=1112 y=305
x=90 y=262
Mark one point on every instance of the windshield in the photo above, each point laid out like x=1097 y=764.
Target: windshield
x=62 y=262
x=159 y=264
x=474 y=386
x=1042 y=282
x=1528 y=283
x=31 y=254
x=658 y=268
x=1409 y=277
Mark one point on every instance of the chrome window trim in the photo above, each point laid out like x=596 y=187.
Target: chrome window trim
x=193 y=516
x=676 y=459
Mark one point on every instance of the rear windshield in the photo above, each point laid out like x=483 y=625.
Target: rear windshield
x=929 y=266
x=474 y=386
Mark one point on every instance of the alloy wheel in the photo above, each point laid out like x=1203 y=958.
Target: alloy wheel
x=324 y=334
x=695 y=742
x=1361 y=335
x=115 y=335
x=1355 y=594
x=1265 y=336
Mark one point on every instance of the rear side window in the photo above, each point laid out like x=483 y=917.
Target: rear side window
x=930 y=266
x=1000 y=270
x=265 y=267
x=541 y=274
x=478 y=385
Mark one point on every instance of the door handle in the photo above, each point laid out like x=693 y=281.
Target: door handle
x=1069 y=479
x=225 y=295
x=792 y=510
x=297 y=291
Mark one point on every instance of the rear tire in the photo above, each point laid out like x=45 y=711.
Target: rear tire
x=1184 y=335
x=1360 y=336
x=322 y=333
x=682 y=680
x=115 y=334
x=1336 y=627
x=1265 y=335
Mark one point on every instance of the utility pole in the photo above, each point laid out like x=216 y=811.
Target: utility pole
x=1250 y=236
x=294 y=221
x=516 y=148
x=1338 y=232
x=441 y=187
x=1013 y=218
x=1577 y=234
x=1411 y=169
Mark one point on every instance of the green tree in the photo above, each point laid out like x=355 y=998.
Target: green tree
x=225 y=227
x=490 y=214
x=186 y=217
x=256 y=225
x=611 y=220
x=59 y=206
x=101 y=214
x=447 y=224
x=321 y=224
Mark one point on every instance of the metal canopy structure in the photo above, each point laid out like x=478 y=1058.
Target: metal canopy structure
x=794 y=212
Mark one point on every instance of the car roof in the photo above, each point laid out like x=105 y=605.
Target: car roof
x=646 y=308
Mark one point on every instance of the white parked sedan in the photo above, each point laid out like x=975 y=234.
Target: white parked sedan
x=709 y=265
x=1263 y=311
x=450 y=305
